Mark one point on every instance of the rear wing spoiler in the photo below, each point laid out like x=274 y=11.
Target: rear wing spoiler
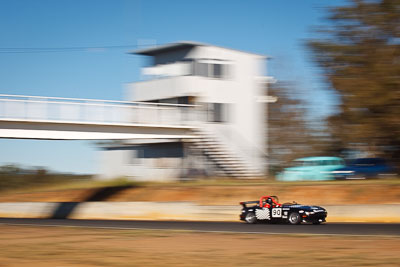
x=244 y=203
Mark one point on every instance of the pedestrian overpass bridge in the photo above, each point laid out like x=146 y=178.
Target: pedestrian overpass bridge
x=37 y=117
x=53 y=118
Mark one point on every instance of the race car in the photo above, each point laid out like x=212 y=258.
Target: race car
x=268 y=209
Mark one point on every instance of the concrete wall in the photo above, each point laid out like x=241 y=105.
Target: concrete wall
x=123 y=162
x=179 y=211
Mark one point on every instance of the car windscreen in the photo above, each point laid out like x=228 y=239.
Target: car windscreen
x=367 y=162
x=309 y=163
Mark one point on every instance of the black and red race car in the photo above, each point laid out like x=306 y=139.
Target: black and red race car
x=268 y=209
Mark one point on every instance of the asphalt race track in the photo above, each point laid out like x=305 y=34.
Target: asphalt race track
x=363 y=229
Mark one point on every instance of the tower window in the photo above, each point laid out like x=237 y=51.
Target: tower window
x=217 y=70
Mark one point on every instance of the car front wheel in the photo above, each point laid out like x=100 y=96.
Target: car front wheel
x=294 y=218
x=250 y=218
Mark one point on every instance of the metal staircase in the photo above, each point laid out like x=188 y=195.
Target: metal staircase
x=228 y=162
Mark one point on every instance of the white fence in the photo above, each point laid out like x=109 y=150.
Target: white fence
x=38 y=108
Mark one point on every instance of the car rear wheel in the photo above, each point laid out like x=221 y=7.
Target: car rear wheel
x=250 y=218
x=294 y=218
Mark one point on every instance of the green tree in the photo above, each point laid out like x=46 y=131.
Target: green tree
x=290 y=135
x=359 y=53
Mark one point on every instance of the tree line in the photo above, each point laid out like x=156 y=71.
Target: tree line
x=358 y=52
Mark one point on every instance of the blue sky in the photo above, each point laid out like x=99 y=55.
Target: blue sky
x=277 y=28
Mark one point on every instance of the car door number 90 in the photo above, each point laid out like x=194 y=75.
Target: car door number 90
x=276 y=212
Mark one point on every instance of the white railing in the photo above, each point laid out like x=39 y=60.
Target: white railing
x=41 y=108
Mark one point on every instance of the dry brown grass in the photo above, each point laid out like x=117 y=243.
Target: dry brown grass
x=62 y=246
x=330 y=193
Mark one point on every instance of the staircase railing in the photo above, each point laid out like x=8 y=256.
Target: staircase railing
x=241 y=146
x=238 y=148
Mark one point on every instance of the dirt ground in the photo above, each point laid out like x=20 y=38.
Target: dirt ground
x=320 y=193
x=66 y=246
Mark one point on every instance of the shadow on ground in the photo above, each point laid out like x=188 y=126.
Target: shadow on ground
x=65 y=209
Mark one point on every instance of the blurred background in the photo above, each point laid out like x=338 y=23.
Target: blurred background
x=117 y=112
x=152 y=91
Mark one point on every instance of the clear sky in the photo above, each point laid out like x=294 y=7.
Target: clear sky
x=276 y=28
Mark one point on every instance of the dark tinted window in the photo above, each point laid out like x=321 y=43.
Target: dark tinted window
x=201 y=69
x=218 y=112
x=217 y=71
x=162 y=150
x=368 y=162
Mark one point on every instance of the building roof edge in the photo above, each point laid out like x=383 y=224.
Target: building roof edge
x=151 y=51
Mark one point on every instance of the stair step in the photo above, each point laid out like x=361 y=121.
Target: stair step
x=239 y=169
x=222 y=154
x=229 y=164
x=223 y=157
x=215 y=148
x=233 y=162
